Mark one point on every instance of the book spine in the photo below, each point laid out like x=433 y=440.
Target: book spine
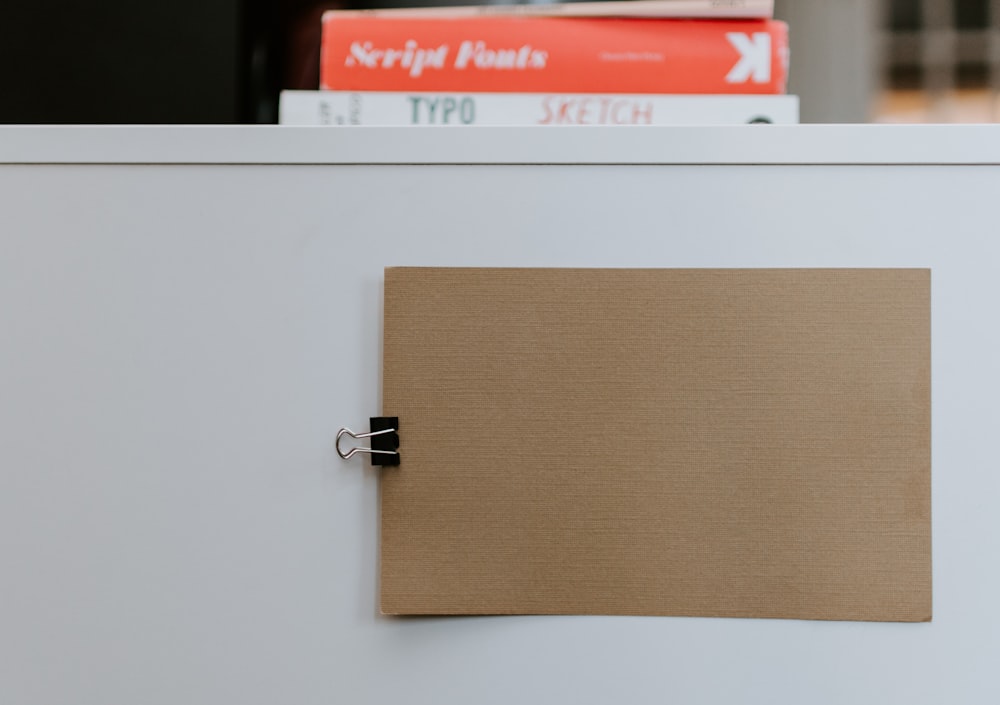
x=681 y=9
x=374 y=108
x=554 y=55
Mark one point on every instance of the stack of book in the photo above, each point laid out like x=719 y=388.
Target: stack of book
x=637 y=62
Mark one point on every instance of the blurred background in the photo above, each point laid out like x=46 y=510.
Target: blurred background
x=224 y=61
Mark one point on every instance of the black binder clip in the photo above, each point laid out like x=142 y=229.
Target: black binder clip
x=385 y=441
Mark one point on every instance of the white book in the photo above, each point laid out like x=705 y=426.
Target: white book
x=376 y=108
x=692 y=9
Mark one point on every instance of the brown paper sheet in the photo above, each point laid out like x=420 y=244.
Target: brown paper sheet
x=740 y=443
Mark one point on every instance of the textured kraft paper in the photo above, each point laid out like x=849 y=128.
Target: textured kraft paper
x=733 y=443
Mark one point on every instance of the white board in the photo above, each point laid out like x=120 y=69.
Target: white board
x=187 y=315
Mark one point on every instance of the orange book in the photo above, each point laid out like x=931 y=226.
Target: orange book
x=552 y=54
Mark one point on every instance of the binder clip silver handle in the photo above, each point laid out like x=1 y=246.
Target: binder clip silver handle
x=385 y=441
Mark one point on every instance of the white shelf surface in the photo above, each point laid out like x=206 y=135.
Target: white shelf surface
x=742 y=144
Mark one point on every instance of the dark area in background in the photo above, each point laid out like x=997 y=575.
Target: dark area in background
x=121 y=61
x=906 y=69
x=967 y=14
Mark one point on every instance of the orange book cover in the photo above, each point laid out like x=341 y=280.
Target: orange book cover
x=553 y=54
